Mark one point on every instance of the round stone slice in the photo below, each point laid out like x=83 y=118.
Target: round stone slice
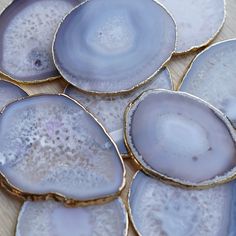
x=212 y=77
x=52 y=147
x=124 y=47
x=27 y=28
x=181 y=139
x=9 y=92
x=51 y=218
x=198 y=22
x=110 y=109
x=159 y=209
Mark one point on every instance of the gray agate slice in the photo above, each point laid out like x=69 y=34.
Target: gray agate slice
x=113 y=46
x=212 y=77
x=9 y=92
x=51 y=218
x=198 y=22
x=27 y=28
x=52 y=147
x=181 y=139
x=110 y=109
x=160 y=209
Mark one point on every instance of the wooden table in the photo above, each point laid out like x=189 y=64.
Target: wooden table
x=9 y=206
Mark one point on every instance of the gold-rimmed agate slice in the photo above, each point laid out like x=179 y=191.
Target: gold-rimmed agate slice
x=110 y=109
x=27 y=28
x=121 y=49
x=52 y=147
x=159 y=209
x=181 y=139
x=198 y=22
x=51 y=218
x=9 y=92
x=212 y=77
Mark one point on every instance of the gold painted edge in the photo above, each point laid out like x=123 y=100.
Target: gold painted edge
x=15 y=191
x=195 y=59
x=121 y=92
x=14 y=84
x=125 y=216
x=228 y=177
x=209 y=41
x=20 y=81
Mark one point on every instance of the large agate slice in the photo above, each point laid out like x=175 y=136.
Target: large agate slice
x=198 y=22
x=212 y=77
x=27 y=28
x=110 y=109
x=113 y=46
x=180 y=138
x=52 y=147
x=53 y=219
x=159 y=209
x=9 y=92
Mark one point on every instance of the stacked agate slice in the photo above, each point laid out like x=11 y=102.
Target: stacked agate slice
x=63 y=153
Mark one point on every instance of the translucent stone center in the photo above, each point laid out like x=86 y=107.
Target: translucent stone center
x=113 y=33
x=71 y=223
x=181 y=135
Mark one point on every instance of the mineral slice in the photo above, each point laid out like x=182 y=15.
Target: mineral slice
x=27 y=28
x=181 y=138
x=51 y=218
x=198 y=22
x=160 y=209
x=52 y=147
x=114 y=46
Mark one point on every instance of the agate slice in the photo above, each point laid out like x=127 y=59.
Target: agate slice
x=9 y=92
x=52 y=218
x=117 y=51
x=181 y=139
x=212 y=77
x=159 y=209
x=27 y=28
x=51 y=147
x=198 y=22
x=110 y=110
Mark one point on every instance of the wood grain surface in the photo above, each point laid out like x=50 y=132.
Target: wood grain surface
x=9 y=206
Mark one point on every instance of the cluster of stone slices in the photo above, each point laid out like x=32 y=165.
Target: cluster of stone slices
x=68 y=148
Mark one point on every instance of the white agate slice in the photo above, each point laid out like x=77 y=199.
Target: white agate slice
x=9 y=92
x=110 y=109
x=198 y=22
x=53 y=219
x=159 y=209
x=51 y=146
x=114 y=46
x=181 y=138
x=212 y=77
x=27 y=28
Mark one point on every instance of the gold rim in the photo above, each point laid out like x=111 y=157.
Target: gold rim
x=123 y=208
x=15 y=84
x=179 y=85
x=19 y=81
x=121 y=92
x=229 y=176
x=208 y=42
x=15 y=191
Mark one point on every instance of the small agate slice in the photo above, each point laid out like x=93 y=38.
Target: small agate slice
x=110 y=110
x=212 y=77
x=53 y=219
x=159 y=209
x=52 y=147
x=27 y=28
x=113 y=46
x=181 y=139
x=198 y=22
x=9 y=92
